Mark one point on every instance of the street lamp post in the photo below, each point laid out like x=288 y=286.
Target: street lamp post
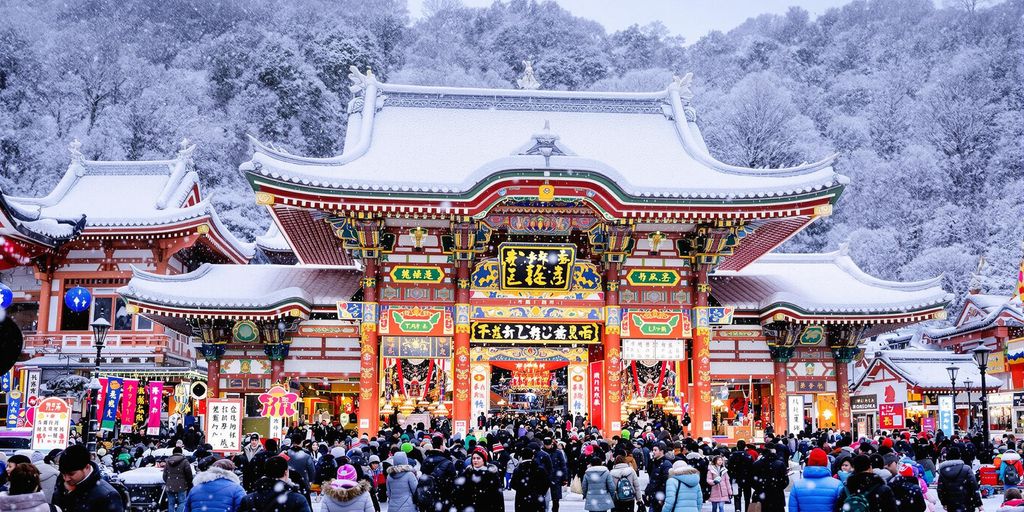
x=90 y=432
x=970 y=406
x=981 y=357
x=952 y=369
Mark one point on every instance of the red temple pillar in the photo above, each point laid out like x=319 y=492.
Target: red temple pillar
x=368 y=414
x=612 y=416
x=276 y=370
x=213 y=379
x=700 y=413
x=462 y=408
x=843 y=356
x=779 y=396
x=43 y=316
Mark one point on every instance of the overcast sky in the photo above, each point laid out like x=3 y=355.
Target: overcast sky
x=688 y=18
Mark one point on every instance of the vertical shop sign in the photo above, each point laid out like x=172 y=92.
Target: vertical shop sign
x=156 y=406
x=129 y=400
x=597 y=392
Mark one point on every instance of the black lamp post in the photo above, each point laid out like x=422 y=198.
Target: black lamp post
x=970 y=406
x=90 y=432
x=981 y=357
x=952 y=379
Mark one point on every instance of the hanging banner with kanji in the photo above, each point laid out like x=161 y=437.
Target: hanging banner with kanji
x=224 y=424
x=141 y=407
x=52 y=425
x=5 y=382
x=115 y=387
x=278 y=403
x=577 y=375
x=101 y=395
x=597 y=392
x=155 y=390
x=13 y=407
x=32 y=398
x=128 y=401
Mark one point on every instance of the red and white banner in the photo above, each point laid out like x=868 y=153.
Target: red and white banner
x=891 y=416
x=597 y=393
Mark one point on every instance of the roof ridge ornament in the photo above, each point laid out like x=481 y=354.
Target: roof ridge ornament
x=359 y=80
x=528 y=80
x=75 y=148
x=974 y=286
x=545 y=143
x=683 y=84
x=185 y=149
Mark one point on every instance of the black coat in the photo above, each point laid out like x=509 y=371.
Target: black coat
x=253 y=471
x=655 y=492
x=907 y=491
x=957 y=487
x=273 y=495
x=530 y=482
x=92 y=495
x=480 y=489
x=738 y=464
x=769 y=478
x=436 y=482
x=880 y=496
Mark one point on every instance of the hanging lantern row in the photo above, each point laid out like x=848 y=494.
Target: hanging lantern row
x=78 y=299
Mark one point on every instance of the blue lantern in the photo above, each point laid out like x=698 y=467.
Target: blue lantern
x=6 y=296
x=77 y=299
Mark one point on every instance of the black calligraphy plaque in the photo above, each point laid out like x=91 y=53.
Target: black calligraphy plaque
x=536 y=332
x=536 y=266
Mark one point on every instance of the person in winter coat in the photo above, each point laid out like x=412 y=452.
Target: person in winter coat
x=346 y=493
x=719 y=483
x=273 y=492
x=658 y=473
x=739 y=466
x=559 y=471
x=25 y=493
x=864 y=486
x=80 y=488
x=48 y=475
x=217 y=489
x=177 y=480
x=401 y=484
x=326 y=469
x=480 y=485
x=436 y=480
x=818 y=491
x=301 y=462
x=1010 y=470
x=623 y=470
x=531 y=484
x=770 y=476
x=957 y=487
x=252 y=472
x=598 y=487
x=683 y=492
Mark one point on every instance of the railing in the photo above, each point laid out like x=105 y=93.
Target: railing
x=166 y=343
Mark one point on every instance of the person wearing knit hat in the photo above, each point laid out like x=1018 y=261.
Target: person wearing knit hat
x=347 y=493
x=480 y=485
x=905 y=488
x=83 y=490
x=625 y=435
x=818 y=490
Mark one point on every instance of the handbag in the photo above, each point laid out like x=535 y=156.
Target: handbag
x=577 y=485
x=754 y=507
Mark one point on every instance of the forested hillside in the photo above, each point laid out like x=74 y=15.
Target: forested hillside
x=925 y=104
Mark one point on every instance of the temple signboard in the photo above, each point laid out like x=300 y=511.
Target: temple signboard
x=538 y=267
x=536 y=332
x=655 y=323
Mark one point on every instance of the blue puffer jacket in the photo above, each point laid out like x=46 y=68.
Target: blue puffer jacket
x=817 y=491
x=216 y=490
x=682 y=492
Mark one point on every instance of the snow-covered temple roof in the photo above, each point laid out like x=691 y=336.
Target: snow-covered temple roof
x=273 y=240
x=127 y=198
x=979 y=312
x=818 y=287
x=241 y=291
x=451 y=140
x=926 y=369
x=25 y=225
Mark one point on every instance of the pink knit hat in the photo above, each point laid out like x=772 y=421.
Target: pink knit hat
x=347 y=474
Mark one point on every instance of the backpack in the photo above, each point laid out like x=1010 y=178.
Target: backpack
x=908 y=494
x=1011 y=476
x=624 y=490
x=858 y=502
x=424 y=496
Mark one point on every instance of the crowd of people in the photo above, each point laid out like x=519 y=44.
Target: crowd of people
x=652 y=466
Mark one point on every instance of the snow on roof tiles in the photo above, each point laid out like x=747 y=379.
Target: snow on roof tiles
x=114 y=194
x=927 y=368
x=273 y=240
x=821 y=283
x=447 y=139
x=1011 y=306
x=248 y=287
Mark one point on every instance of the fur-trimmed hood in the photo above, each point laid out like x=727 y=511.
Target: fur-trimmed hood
x=401 y=468
x=339 y=493
x=684 y=470
x=214 y=473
